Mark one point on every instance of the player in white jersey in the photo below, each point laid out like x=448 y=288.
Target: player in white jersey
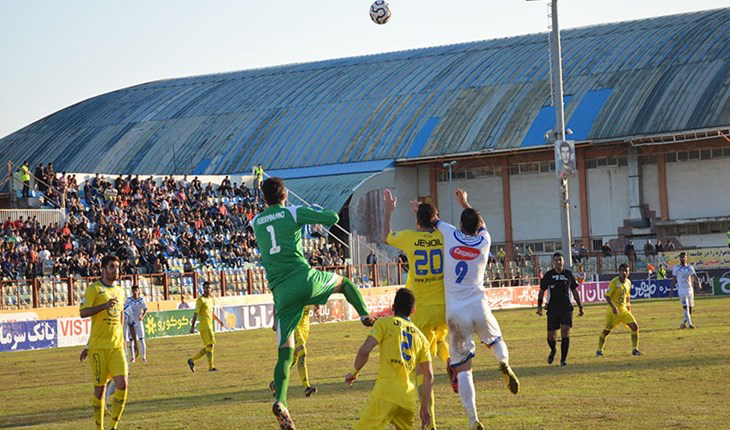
x=683 y=277
x=466 y=253
x=136 y=307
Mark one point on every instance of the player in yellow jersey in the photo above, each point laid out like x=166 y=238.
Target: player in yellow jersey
x=404 y=351
x=301 y=335
x=103 y=301
x=204 y=312
x=424 y=248
x=618 y=297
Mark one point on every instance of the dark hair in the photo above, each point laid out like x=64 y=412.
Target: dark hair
x=274 y=190
x=404 y=302
x=558 y=254
x=426 y=215
x=470 y=220
x=108 y=258
x=682 y=253
x=623 y=266
x=135 y=287
x=206 y=284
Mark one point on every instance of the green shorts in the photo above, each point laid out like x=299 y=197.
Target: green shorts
x=311 y=287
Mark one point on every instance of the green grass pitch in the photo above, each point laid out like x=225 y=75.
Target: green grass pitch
x=680 y=382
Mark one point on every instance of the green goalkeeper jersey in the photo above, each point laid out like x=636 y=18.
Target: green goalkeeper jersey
x=278 y=231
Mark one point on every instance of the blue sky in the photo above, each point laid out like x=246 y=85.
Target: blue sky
x=59 y=52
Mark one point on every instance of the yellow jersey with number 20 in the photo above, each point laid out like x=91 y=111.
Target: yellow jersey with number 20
x=425 y=251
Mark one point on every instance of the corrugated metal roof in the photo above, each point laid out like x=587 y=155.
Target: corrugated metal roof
x=634 y=78
x=327 y=191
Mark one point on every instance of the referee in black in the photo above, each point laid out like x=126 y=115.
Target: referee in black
x=559 y=309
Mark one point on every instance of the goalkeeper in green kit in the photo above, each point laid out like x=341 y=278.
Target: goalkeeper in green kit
x=292 y=280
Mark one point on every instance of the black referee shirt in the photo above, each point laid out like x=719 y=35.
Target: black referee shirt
x=559 y=284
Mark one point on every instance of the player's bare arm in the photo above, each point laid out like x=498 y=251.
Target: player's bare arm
x=540 y=297
x=613 y=307
x=87 y=312
x=462 y=197
x=215 y=317
x=363 y=354
x=426 y=370
x=576 y=296
x=389 y=202
x=192 y=323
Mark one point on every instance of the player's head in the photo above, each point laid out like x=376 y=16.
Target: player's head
x=274 y=191
x=110 y=268
x=404 y=302
x=470 y=221
x=623 y=271
x=206 y=289
x=558 y=261
x=683 y=258
x=135 y=291
x=426 y=215
x=565 y=153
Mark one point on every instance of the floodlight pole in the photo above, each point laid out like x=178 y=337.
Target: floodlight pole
x=557 y=78
x=449 y=165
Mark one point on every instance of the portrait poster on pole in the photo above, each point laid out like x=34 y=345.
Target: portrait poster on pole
x=565 y=158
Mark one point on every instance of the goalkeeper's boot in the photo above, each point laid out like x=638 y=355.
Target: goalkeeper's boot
x=310 y=391
x=283 y=417
x=509 y=377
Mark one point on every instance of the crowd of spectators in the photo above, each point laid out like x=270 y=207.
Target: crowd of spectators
x=144 y=222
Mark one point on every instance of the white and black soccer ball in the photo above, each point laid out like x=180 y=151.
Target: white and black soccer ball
x=380 y=12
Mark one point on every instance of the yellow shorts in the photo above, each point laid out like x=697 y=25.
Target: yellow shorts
x=431 y=320
x=301 y=334
x=623 y=316
x=208 y=337
x=378 y=413
x=106 y=364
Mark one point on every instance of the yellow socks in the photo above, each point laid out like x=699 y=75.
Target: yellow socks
x=119 y=400
x=199 y=355
x=98 y=405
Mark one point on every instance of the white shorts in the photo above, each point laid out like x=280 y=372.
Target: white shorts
x=463 y=323
x=138 y=329
x=687 y=298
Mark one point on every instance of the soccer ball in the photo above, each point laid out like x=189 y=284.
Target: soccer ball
x=379 y=12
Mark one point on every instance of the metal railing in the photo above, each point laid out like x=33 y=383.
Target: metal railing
x=55 y=291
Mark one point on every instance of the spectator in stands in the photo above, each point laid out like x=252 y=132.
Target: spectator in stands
x=583 y=252
x=25 y=178
x=606 y=249
x=371 y=258
x=648 y=249
x=183 y=304
x=529 y=254
x=670 y=246
x=659 y=248
x=38 y=173
x=258 y=179
x=630 y=252
x=501 y=255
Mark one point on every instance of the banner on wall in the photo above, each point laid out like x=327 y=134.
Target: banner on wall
x=706 y=258
x=168 y=323
x=721 y=284
x=25 y=335
x=73 y=331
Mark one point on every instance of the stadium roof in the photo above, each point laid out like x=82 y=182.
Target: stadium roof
x=633 y=78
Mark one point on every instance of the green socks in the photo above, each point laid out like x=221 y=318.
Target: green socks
x=353 y=297
x=281 y=373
